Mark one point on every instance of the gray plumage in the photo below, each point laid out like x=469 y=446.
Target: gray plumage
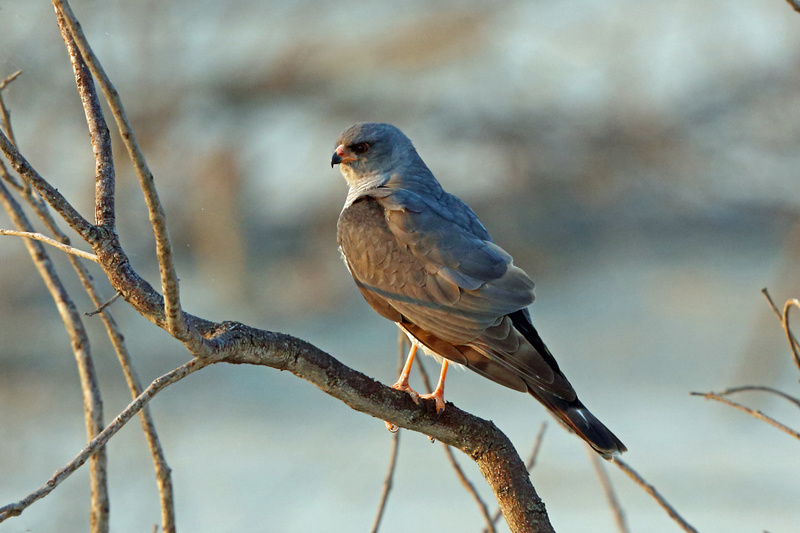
x=422 y=259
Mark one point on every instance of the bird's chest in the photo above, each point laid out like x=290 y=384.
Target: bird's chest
x=369 y=248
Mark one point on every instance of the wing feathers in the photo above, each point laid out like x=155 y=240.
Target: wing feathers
x=449 y=288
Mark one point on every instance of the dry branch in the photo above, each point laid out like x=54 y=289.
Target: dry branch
x=96 y=445
x=52 y=242
x=236 y=343
x=387 y=483
x=752 y=412
x=176 y=324
x=608 y=490
x=761 y=388
x=651 y=490
x=92 y=402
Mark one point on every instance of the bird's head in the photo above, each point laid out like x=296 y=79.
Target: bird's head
x=371 y=152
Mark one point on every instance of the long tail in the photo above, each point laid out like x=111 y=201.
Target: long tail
x=579 y=419
x=572 y=413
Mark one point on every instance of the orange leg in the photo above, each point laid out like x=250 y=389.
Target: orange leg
x=402 y=382
x=438 y=394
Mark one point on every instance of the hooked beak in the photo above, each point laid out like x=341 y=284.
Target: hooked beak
x=342 y=155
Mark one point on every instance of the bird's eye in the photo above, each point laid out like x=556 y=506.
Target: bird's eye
x=360 y=148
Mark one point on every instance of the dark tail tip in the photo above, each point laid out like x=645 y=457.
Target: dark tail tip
x=580 y=420
x=594 y=432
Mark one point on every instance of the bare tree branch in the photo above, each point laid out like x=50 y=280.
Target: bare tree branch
x=499 y=463
x=459 y=472
x=651 y=490
x=387 y=482
x=105 y=169
x=608 y=490
x=49 y=193
x=52 y=242
x=96 y=445
x=794 y=344
x=92 y=402
x=98 y=131
x=176 y=323
x=239 y=344
x=747 y=388
x=529 y=464
x=102 y=307
x=752 y=412
x=795 y=4
x=6 y=120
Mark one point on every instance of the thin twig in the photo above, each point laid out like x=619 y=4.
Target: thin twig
x=537 y=444
x=752 y=412
x=651 y=490
x=92 y=402
x=105 y=219
x=105 y=169
x=608 y=490
x=102 y=307
x=793 y=343
x=52 y=242
x=163 y=473
x=459 y=471
x=98 y=131
x=101 y=143
x=176 y=321
x=4 y=114
x=746 y=388
x=387 y=482
x=15 y=509
x=771 y=302
x=9 y=79
x=529 y=464
x=47 y=191
x=8 y=178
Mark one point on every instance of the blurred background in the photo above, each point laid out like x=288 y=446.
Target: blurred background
x=638 y=158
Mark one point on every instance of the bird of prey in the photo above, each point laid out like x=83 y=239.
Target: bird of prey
x=422 y=259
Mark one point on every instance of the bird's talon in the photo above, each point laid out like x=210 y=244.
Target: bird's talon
x=391 y=427
x=408 y=390
x=438 y=398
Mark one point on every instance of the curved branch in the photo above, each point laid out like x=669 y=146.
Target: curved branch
x=237 y=343
x=481 y=440
x=761 y=388
x=752 y=412
x=176 y=324
x=795 y=346
x=97 y=444
x=45 y=190
x=92 y=402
